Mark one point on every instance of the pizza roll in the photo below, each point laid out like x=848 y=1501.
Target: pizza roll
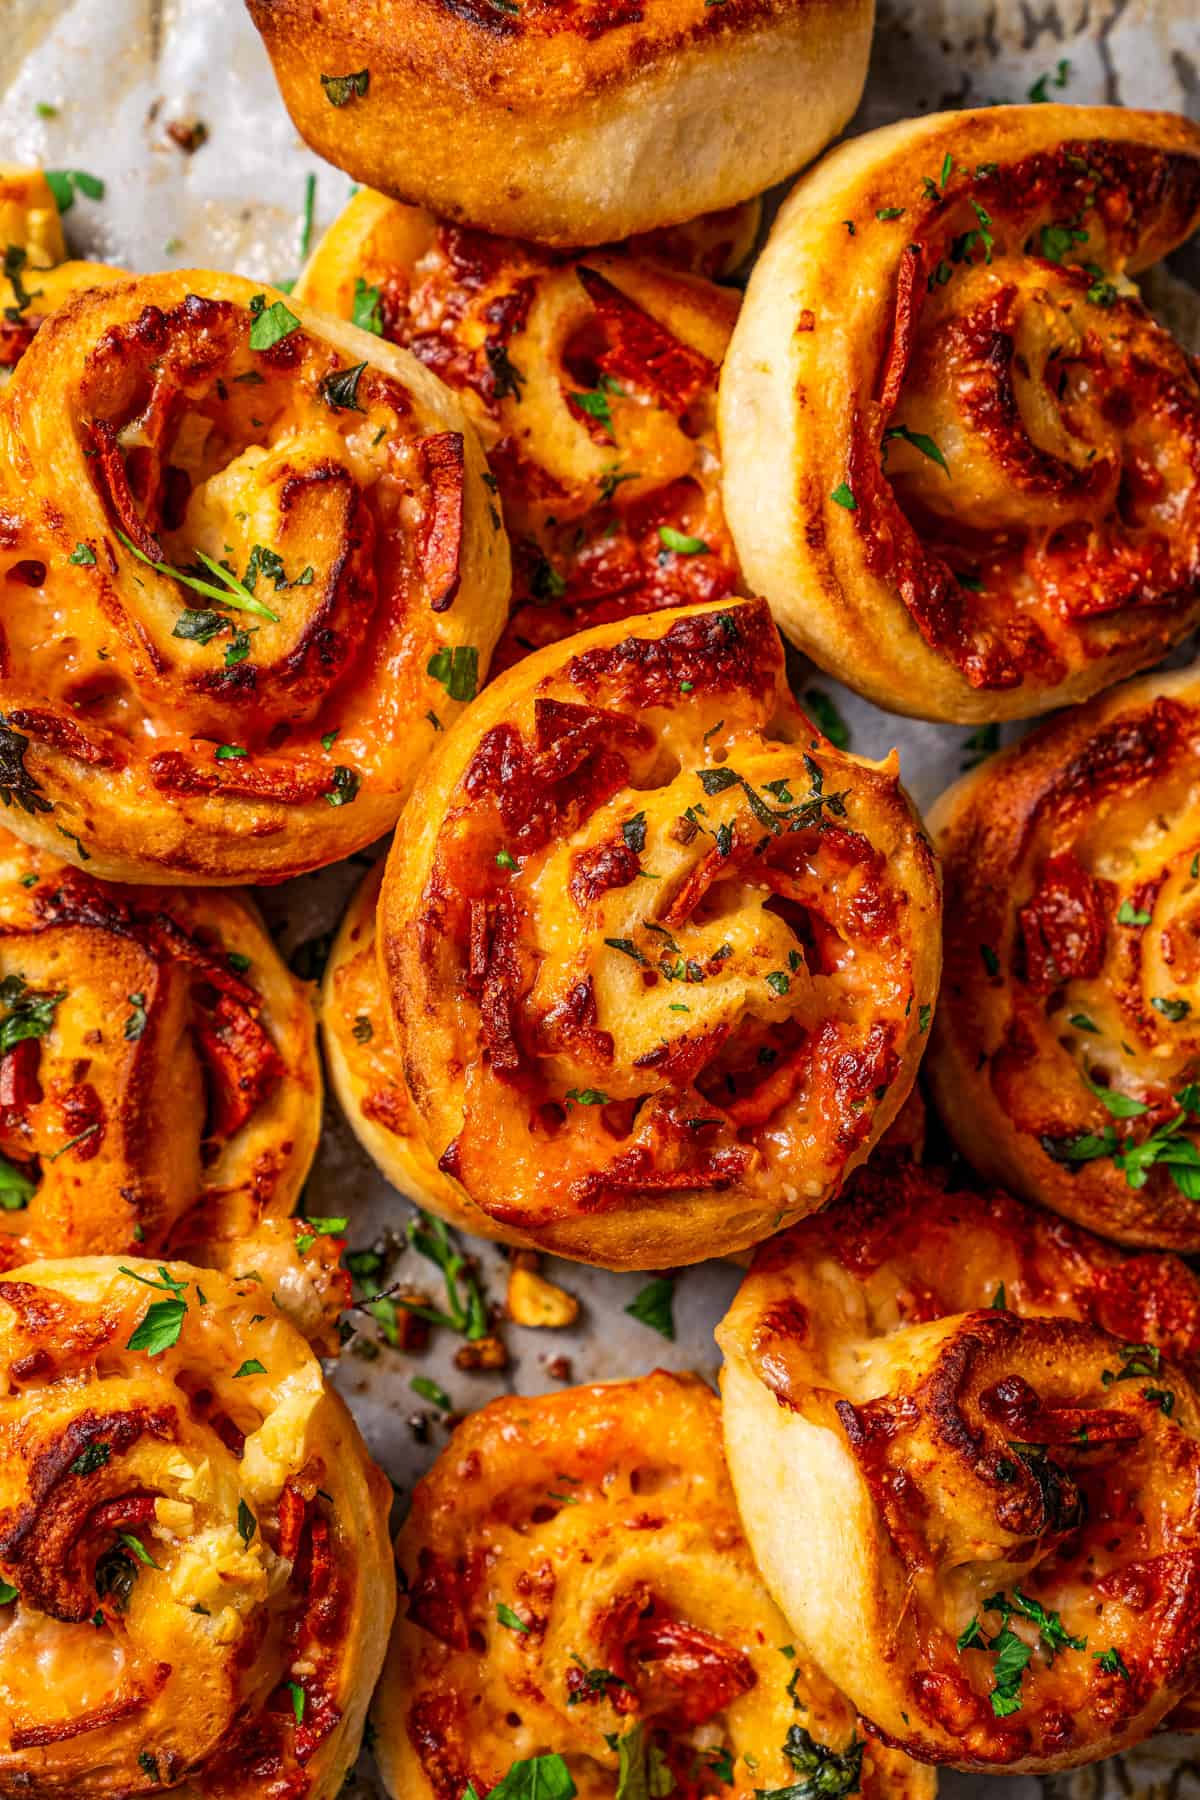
x=658 y=956
x=966 y=1446
x=579 y=1590
x=576 y=125
x=248 y=571
x=197 y=1582
x=36 y=276
x=963 y=460
x=159 y=1081
x=1066 y=1047
x=367 y=1075
x=593 y=383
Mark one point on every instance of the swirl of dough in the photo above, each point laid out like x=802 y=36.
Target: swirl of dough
x=963 y=460
x=658 y=956
x=159 y=1080
x=193 y=1542
x=1066 y=1048
x=569 y=121
x=969 y=1467
x=592 y=381
x=579 y=1588
x=248 y=571
x=36 y=276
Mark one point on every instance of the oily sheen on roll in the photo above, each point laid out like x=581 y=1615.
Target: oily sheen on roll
x=592 y=381
x=367 y=1074
x=580 y=1598
x=198 y=1587
x=249 y=570
x=962 y=459
x=965 y=1442
x=1066 y=1047
x=159 y=1082
x=571 y=125
x=37 y=275
x=659 y=957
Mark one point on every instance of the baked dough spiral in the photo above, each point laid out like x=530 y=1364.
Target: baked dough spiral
x=962 y=460
x=577 y=1578
x=968 y=1463
x=658 y=956
x=37 y=278
x=593 y=384
x=572 y=124
x=196 y=1536
x=159 y=1081
x=1066 y=1047
x=344 y=581
x=367 y=1073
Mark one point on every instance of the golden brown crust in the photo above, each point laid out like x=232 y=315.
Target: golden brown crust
x=593 y=384
x=196 y=1536
x=952 y=1422
x=227 y=734
x=159 y=1082
x=963 y=461
x=601 y=1520
x=1072 y=924
x=587 y=122
x=367 y=1072
x=658 y=956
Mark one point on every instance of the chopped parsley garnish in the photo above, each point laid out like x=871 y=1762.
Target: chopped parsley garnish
x=680 y=543
x=270 y=324
x=341 y=89
x=365 y=309
x=654 y=1306
x=344 y=786
x=587 y=1096
x=135 y=1020
x=843 y=495
x=509 y=1618
x=251 y=1366
x=232 y=592
x=594 y=403
x=64 y=184
x=1128 y=914
x=919 y=441
x=1175 y=1010
x=457 y=670
x=247 y=1524
x=93 y=1458
x=466 y=1305
x=1112 y=1662
x=29 y=1012
x=923 y=1018
x=83 y=555
x=825 y=715
x=429 y=1390
x=826 y=1774
x=1059 y=240
x=340 y=390
x=539 y=1778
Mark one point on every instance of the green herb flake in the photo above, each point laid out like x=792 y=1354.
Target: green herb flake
x=654 y=1306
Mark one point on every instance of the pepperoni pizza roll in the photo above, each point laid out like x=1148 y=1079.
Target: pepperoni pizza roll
x=35 y=277
x=966 y=1447
x=963 y=460
x=196 y=1580
x=367 y=1075
x=248 y=571
x=159 y=1081
x=593 y=383
x=580 y=1593
x=659 y=957
x=1066 y=1049
x=576 y=124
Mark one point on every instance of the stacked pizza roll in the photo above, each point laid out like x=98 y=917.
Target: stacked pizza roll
x=485 y=535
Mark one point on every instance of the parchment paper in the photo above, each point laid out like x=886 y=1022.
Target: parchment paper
x=117 y=74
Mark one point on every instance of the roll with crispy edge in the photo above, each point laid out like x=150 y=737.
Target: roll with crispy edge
x=593 y=383
x=966 y=1447
x=1066 y=1048
x=196 y=1536
x=576 y=125
x=658 y=956
x=159 y=1080
x=37 y=278
x=367 y=1074
x=249 y=569
x=579 y=1587
x=962 y=460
